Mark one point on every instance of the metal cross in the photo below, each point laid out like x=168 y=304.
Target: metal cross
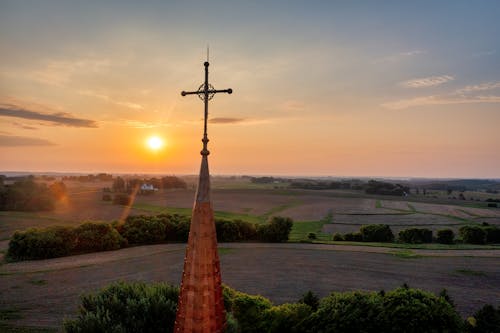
x=206 y=92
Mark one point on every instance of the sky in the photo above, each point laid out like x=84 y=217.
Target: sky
x=321 y=88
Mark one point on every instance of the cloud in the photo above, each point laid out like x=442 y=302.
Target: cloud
x=428 y=81
x=439 y=100
x=58 y=118
x=222 y=120
x=399 y=56
x=23 y=126
x=16 y=141
x=108 y=99
x=478 y=87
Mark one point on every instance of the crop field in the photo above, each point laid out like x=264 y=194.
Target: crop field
x=41 y=293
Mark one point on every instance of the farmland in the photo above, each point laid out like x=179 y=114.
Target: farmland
x=41 y=293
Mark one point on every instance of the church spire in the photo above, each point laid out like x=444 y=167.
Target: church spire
x=201 y=304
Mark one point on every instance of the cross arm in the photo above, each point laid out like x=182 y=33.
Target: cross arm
x=184 y=93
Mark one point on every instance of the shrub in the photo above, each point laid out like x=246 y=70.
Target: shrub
x=227 y=231
x=276 y=231
x=51 y=242
x=127 y=307
x=413 y=310
x=376 y=233
x=310 y=299
x=472 y=235
x=492 y=234
x=311 y=236
x=106 y=197
x=285 y=318
x=445 y=236
x=26 y=195
x=338 y=237
x=249 y=311
x=144 y=230
x=353 y=237
x=415 y=236
x=346 y=312
x=486 y=320
x=91 y=237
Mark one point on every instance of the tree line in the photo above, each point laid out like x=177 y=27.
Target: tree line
x=58 y=241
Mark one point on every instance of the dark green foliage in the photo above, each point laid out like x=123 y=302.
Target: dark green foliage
x=235 y=231
x=26 y=195
x=122 y=199
x=338 y=237
x=45 y=243
x=401 y=310
x=486 y=320
x=413 y=310
x=384 y=188
x=127 y=307
x=144 y=230
x=353 y=237
x=472 y=234
x=376 y=233
x=94 y=236
x=285 y=318
x=415 y=236
x=276 y=231
x=445 y=236
x=311 y=236
x=248 y=310
x=347 y=312
x=492 y=234
x=310 y=299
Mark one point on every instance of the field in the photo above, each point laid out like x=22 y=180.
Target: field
x=42 y=293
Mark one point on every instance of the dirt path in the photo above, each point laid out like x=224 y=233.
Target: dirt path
x=45 y=292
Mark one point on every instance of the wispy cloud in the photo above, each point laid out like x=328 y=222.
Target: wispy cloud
x=399 y=56
x=223 y=120
x=484 y=53
x=17 y=141
x=439 y=100
x=427 y=81
x=23 y=126
x=58 y=118
x=108 y=99
x=478 y=87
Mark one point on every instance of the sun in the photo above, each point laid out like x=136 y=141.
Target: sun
x=155 y=143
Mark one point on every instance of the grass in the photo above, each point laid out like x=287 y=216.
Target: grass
x=224 y=250
x=406 y=254
x=12 y=313
x=280 y=208
x=300 y=230
x=378 y=204
x=470 y=272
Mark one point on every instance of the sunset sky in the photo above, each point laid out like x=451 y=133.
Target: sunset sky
x=331 y=88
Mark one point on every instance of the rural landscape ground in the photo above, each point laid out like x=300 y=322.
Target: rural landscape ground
x=42 y=293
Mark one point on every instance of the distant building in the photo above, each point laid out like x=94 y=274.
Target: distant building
x=147 y=188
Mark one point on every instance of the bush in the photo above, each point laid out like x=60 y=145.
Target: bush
x=127 y=307
x=92 y=237
x=276 y=231
x=376 y=233
x=353 y=237
x=106 y=197
x=492 y=234
x=45 y=243
x=472 y=235
x=310 y=299
x=486 y=320
x=338 y=237
x=311 y=236
x=415 y=236
x=285 y=318
x=249 y=311
x=445 y=236
x=144 y=229
x=26 y=195
x=401 y=310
